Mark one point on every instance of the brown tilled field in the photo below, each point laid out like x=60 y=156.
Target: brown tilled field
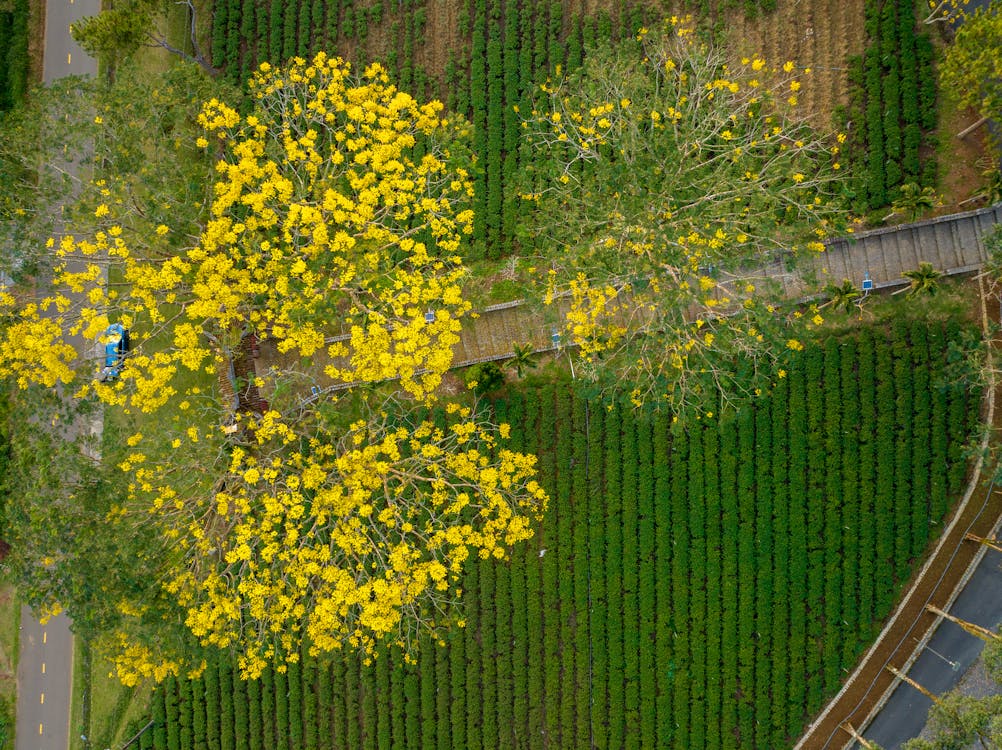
x=817 y=34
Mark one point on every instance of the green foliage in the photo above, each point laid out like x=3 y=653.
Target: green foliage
x=484 y=377
x=6 y=723
x=893 y=91
x=691 y=587
x=972 y=67
x=923 y=280
x=913 y=200
x=14 y=67
x=114 y=33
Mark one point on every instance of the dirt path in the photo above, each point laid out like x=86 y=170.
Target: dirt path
x=935 y=583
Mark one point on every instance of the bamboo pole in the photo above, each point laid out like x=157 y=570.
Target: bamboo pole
x=858 y=737
x=983 y=633
x=990 y=543
x=905 y=678
x=971 y=128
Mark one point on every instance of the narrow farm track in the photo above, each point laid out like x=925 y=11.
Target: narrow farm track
x=935 y=583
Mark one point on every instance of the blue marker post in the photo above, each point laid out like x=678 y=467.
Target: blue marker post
x=867 y=283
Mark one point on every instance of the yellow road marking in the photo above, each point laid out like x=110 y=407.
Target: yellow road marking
x=42 y=701
x=69 y=58
x=43 y=667
x=39 y=728
x=45 y=636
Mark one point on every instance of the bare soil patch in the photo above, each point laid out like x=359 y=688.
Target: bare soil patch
x=961 y=160
x=815 y=34
x=443 y=37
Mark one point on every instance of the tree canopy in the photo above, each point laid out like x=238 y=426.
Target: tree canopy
x=325 y=223
x=972 y=67
x=663 y=184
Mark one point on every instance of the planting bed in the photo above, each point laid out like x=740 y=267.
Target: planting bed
x=704 y=588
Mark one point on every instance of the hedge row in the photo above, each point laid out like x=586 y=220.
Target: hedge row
x=893 y=101
x=693 y=589
x=14 y=28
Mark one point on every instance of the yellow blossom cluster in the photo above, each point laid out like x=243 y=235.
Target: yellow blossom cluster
x=346 y=540
x=331 y=229
x=334 y=225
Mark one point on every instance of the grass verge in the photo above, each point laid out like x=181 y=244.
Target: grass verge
x=10 y=616
x=80 y=700
x=102 y=707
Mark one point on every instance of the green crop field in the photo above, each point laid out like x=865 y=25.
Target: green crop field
x=483 y=58
x=894 y=101
x=693 y=589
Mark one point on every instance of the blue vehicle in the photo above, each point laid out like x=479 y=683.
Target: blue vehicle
x=116 y=348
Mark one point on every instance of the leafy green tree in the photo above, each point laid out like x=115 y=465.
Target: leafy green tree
x=116 y=33
x=661 y=181
x=972 y=66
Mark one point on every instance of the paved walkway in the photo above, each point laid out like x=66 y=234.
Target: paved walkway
x=953 y=244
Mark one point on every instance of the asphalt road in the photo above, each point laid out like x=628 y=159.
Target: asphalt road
x=45 y=661
x=950 y=652
x=63 y=57
x=44 y=682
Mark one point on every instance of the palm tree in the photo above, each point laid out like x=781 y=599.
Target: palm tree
x=914 y=200
x=923 y=280
x=846 y=295
x=524 y=358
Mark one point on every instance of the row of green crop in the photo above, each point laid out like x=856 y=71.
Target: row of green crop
x=248 y=32
x=505 y=48
x=14 y=68
x=893 y=95
x=696 y=589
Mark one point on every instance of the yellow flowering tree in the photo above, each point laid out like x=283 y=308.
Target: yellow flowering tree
x=664 y=185
x=972 y=69
x=329 y=237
